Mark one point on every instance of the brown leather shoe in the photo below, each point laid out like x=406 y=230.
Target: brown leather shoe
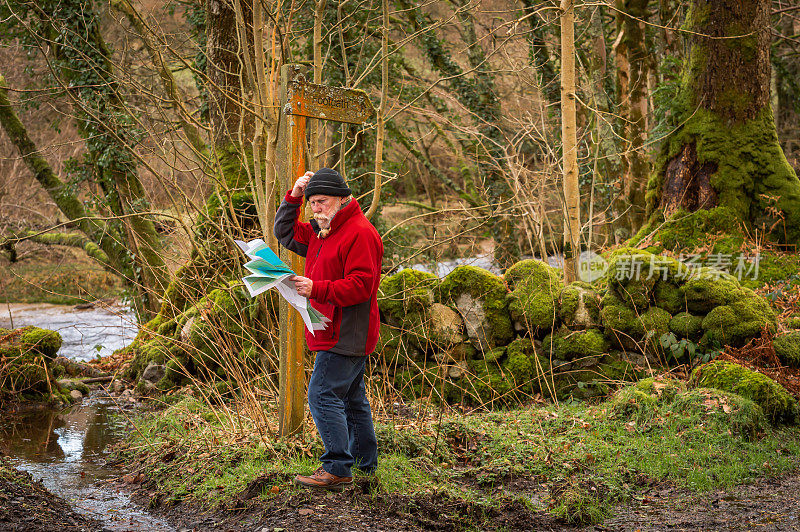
x=321 y=479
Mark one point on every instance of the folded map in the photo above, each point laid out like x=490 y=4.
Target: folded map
x=267 y=271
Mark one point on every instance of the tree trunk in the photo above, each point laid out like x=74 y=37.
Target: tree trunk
x=725 y=151
x=572 y=221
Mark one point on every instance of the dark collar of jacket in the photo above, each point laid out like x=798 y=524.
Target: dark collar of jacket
x=340 y=218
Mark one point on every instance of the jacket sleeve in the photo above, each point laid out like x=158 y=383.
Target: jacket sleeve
x=292 y=234
x=362 y=269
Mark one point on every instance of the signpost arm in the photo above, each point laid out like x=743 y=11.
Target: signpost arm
x=291 y=400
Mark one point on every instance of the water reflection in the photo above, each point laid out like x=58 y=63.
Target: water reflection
x=67 y=450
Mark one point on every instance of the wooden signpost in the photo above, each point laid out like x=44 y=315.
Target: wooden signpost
x=301 y=99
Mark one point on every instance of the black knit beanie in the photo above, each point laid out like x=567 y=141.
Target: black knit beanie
x=328 y=182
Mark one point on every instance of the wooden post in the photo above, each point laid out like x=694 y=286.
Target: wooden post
x=299 y=100
x=291 y=400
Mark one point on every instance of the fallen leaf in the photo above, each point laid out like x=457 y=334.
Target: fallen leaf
x=305 y=511
x=275 y=489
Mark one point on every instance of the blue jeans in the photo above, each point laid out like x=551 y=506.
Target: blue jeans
x=338 y=403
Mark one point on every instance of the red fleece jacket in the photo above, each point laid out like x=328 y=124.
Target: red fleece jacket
x=345 y=268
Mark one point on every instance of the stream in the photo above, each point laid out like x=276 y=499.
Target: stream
x=68 y=450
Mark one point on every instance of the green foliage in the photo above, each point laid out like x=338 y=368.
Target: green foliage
x=777 y=403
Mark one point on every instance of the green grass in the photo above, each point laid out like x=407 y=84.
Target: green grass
x=590 y=457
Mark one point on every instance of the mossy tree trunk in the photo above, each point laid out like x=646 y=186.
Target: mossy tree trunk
x=725 y=150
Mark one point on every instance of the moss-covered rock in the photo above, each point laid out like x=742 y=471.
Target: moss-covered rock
x=481 y=299
x=708 y=289
x=600 y=378
x=217 y=326
x=633 y=274
x=777 y=403
x=535 y=290
x=30 y=339
x=669 y=296
x=692 y=230
x=736 y=323
x=787 y=347
x=579 y=306
x=630 y=329
x=42 y=341
x=686 y=325
x=408 y=291
x=565 y=344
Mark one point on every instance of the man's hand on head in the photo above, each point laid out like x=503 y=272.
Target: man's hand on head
x=302 y=285
x=300 y=184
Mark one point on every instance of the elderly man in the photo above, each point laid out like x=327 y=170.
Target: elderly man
x=343 y=268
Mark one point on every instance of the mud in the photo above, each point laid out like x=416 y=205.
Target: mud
x=767 y=504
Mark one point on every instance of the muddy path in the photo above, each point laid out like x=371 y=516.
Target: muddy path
x=767 y=504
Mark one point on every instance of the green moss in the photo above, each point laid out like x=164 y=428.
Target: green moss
x=787 y=347
x=777 y=403
x=407 y=291
x=686 y=325
x=688 y=231
x=752 y=173
x=569 y=345
x=640 y=401
x=669 y=296
x=706 y=291
x=741 y=415
x=481 y=298
x=27 y=372
x=793 y=322
x=738 y=322
x=633 y=274
x=531 y=269
x=42 y=341
x=535 y=289
x=579 y=306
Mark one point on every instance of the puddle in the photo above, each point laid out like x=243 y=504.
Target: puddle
x=68 y=451
x=86 y=333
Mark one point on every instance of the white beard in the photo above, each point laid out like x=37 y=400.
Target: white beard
x=324 y=223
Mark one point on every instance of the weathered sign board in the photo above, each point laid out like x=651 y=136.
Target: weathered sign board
x=338 y=104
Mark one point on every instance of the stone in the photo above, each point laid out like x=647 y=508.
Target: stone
x=187 y=329
x=456 y=371
x=153 y=373
x=76 y=395
x=117 y=386
x=446 y=325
